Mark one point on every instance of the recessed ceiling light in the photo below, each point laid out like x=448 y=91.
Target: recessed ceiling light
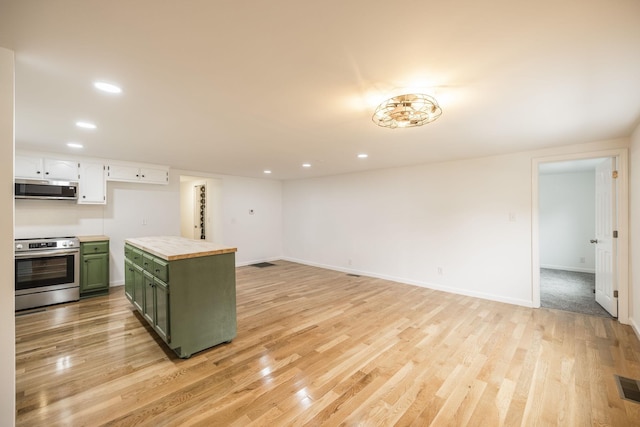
x=107 y=87
x=363 y=156
x=74 y=145
x=267 y=171
x=306 y=165
x=86 y=125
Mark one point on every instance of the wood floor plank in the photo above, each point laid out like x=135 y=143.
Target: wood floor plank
x=320 y=348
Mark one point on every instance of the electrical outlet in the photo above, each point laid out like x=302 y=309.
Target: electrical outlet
x=349 y=261
x=582 y=260
x=440 y=272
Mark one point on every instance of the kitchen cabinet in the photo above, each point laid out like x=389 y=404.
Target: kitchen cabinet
x=93 y=186
x=187 y=290
x=94 y=268
x=45 y=168
x=132 y=173
x=137 y=285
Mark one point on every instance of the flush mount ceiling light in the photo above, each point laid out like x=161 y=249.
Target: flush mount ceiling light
x=414 y=109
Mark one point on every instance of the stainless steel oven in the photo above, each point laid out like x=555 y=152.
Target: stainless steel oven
x=46 y=271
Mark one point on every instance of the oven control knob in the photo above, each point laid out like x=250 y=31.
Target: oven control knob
x=19 y=246
x=70 y=243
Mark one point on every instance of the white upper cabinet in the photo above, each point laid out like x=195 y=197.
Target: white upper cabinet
x=45 y=168
x=93 y=186
x=141 y=174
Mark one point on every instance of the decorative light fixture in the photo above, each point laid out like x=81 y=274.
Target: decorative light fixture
x=402 y=111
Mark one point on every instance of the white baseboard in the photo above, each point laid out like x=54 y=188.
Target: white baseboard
x=565 y=268
x=437 y=287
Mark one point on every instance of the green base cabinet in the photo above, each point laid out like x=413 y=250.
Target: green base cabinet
x=190 y=303
x=94 y=268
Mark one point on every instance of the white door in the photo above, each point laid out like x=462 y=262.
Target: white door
x=605 y=244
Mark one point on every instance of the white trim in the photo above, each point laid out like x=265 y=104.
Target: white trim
x=566 y=268
x=448 y=289
x=622 y=165
x=635 y=327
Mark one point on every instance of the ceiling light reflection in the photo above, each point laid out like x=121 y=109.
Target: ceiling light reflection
x=63 y=363
x=107 y=87
x=86 y=125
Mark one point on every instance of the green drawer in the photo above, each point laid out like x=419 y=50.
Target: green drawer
x=147 y=262
x=161 y=269
x=136 y=257
x=128 y=252
x=95 y=248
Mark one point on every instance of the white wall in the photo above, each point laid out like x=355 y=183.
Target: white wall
x=258 y=237
x=471 y=219
x=634 y=215
x=567 y=221
x=7 y=307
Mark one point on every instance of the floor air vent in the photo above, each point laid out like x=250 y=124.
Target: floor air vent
x=628 y=388
x=353 y=275
x=262 y=264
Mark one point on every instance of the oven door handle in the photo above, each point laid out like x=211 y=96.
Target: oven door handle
x=42 y=254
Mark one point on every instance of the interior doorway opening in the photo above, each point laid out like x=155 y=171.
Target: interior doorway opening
x=619 y=274
x=201 y=208
x=567 y=212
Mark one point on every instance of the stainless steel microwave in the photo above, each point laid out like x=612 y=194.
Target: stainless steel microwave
x=45 y=189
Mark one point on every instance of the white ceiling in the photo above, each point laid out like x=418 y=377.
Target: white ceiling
x=236 y=87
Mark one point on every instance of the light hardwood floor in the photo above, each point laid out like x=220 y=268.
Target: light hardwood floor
x=318 y=347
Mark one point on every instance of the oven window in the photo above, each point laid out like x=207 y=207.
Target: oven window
x=44 y=271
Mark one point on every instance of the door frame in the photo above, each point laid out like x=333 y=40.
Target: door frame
x=622 y=261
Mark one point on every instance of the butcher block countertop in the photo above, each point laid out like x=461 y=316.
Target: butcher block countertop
x=85 y=239
x=172 y=248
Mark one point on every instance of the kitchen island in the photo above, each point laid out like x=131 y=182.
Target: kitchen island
x=185 y=289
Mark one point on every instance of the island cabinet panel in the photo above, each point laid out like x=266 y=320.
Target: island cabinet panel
x=138 y=287
x=128 y=278
x=189 y=301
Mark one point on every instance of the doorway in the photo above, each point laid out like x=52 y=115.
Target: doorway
x=617 y=275
x=567 y=208
x=201 y=208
